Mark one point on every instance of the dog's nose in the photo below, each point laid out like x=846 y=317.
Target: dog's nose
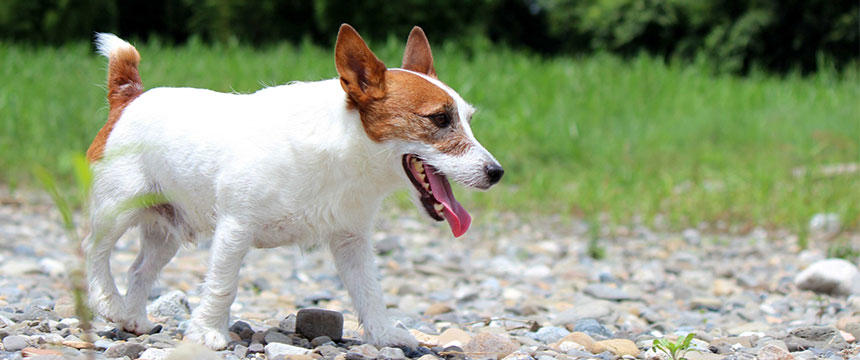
x=494 y=172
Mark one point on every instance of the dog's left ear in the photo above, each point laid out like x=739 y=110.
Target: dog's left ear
x=417 y=56
x=362 y=74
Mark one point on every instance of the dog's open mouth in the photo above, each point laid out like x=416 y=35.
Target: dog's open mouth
x=435 y=194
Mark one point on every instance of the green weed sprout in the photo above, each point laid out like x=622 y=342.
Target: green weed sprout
x=676 y=350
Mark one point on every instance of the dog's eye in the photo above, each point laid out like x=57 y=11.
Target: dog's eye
x=441 y=120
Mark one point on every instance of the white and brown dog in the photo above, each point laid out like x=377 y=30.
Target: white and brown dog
x=305 y=163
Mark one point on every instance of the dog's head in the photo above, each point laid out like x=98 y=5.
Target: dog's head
x=427 y=120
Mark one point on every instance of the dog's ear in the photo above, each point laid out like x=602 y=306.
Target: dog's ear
x=417 y=56
x=362 y=74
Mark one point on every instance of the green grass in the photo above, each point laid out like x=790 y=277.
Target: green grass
x=596 y=135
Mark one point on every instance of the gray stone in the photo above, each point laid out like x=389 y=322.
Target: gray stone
x=242 y=329
x=15 y=342
x=548 y=334
x=288 y=324
x=312 y=323
x=256 y=348
x=597 y=309
x=815 y=337
x=274 y=336
x=829 y=276
x=120 y=349
x=173 y=305
x=606 y=292
x=278 y=349
x=320 y=340
x=389 y=353
x=592 y=328
x=240 y=351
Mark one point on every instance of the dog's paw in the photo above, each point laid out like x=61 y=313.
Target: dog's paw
x=110 y=307
x=391 y=336
x=215 y=339
x=138 y=325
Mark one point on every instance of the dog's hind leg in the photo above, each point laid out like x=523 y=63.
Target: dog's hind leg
x=108 y=225
x=355 y=262
x=157 y=246
x=230 y=243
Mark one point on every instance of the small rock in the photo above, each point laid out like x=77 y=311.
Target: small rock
x=120 y=349
x=173 y=305
x=437 y=309
x=829 y=276
x=606 y=292
x=274 y=336
x=154 y=354
x=580 y=338
x=592 y=328
x=242 y=329
x=773 y=352
x=389 y=353
x=318 y=322
x=620 y=347
x=454 y=337
x=597 y=309
x=15 y=342
x=491 y=344
x=256 y=348
x=706 y=303
x=429 y=357
x=365 y=350
x=277 y=349
x=240 y=351
x=288 y=324
x=549 y=334
x=821 y=337
x=78 y=344
x=518 y=355
x=320 y=340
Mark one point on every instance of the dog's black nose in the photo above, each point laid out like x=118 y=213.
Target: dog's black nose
x=494 y=173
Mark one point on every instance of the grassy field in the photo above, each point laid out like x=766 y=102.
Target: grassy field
x=597 y=135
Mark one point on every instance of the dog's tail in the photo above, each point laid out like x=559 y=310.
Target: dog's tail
x=124 y=84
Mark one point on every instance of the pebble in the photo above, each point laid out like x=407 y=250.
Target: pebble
x=389 y=353
x=592 y=328
x=606 y=292
x=273 y=335
x=619 y=347
x=154 y=354
x=15 y=342
x=829 y=276
x=277 y=349
x=312 y=323
x=454 y=337
x=120 y=349
x=491 y=344
x=549 y=334
x=173 y=305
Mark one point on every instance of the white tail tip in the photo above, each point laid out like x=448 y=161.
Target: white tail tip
x=108 y=43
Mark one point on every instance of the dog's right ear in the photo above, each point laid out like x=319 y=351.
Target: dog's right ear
x=362 y=74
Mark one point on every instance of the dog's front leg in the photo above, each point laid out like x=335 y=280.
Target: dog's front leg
x=356 y=265
x=208 y=325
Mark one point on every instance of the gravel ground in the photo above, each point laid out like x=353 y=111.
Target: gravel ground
x=515 y=287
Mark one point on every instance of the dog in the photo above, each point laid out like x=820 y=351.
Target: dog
x=307 y=163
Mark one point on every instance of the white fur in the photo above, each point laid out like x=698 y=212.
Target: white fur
x=285 y=165
x=108 y=43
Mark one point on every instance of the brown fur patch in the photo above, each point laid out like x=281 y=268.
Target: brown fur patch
x=400 y=114
x=124 y=85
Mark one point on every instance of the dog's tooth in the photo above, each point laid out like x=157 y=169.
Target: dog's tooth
x=438 y=207
x=417 y=166
x=427 y=187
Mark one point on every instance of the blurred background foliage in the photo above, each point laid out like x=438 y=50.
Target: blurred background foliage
x=736 y=36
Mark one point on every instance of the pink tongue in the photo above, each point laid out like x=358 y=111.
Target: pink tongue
x=456 y=215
